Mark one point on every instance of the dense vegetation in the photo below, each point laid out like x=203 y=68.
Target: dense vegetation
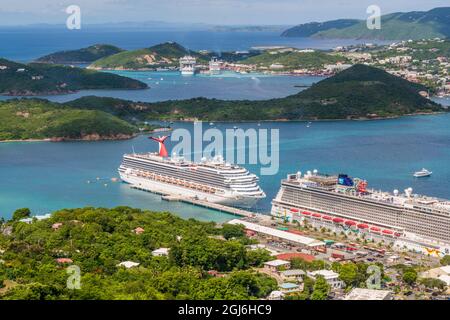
x=358 y=92
x=161 y=55
x=83 y=55
x=39 y=78
x=97 y=240
x=295 y=60
x=395 y=26
x=39 y=119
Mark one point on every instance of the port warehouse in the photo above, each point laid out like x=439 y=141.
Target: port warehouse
x=293 y=238
x=396 y=220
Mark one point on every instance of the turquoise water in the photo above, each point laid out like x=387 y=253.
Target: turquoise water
x=47 y=176
x=172 y=85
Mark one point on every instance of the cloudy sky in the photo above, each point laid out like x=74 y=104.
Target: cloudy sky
x=19 y=12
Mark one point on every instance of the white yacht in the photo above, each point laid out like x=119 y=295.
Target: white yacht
x=213 y=180
x=422 y=173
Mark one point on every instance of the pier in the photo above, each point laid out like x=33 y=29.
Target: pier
x=202 y=203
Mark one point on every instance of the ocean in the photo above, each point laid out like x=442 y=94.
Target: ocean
x=25 y=44
x=46 y=176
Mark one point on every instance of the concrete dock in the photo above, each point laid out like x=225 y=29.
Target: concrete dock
x=202 y=203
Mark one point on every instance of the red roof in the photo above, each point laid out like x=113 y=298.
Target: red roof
x=294 y=210
x=338 y=220
x=363 y=226
x=350 y=223
x=64 y=260
x=298 y=255
x=387 y=231
x=316 y=215
x=327 y=218
x=306 y=213
x=375 y=229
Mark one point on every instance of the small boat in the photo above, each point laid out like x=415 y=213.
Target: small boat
x=422 y=173
x=211 y=123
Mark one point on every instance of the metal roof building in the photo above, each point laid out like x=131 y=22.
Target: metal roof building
x=288 y=236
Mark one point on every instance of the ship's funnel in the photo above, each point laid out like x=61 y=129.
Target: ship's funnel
x=162 y=148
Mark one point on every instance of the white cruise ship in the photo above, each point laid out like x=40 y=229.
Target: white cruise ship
x=188 y=65
x=214 y=66
x=212 y=180
x=342 y=203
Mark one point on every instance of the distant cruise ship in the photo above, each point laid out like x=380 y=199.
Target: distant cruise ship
x=214 y=66
x=341 y=203
x=213 y=180
x=188 y=65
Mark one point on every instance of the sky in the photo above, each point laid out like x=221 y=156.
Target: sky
x=217 y=12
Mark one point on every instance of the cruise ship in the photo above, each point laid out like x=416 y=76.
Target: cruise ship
x=213 y=180
x=341 y=203
x=214 y=66
x=188 y=65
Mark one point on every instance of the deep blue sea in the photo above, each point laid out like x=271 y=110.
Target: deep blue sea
x=47 y=176
x=25 y=44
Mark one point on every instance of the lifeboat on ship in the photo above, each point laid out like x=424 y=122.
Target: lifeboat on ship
x=306 y=213
x=328 y=218
x=338 y=220
x=294 y=210
x=316 y=215
x=375 y=229
x=388 y=232
x=350 y=223
x=362 y=226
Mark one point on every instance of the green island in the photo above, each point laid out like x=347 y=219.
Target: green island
x=33 y=119
x=395 y=26
x=360 y=92
x=35 y=256
x=167 y=55
x=79 y=56
x=162 y=55
x=44 y=79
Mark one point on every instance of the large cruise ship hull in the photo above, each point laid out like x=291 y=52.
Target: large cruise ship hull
x=404 y=227
x=159 y=187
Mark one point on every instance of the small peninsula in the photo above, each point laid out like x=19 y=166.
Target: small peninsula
x=17 y=79
x=36 y=119
x=80 y=56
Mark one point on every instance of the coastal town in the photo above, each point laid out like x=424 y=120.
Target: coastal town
x=420 y=61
